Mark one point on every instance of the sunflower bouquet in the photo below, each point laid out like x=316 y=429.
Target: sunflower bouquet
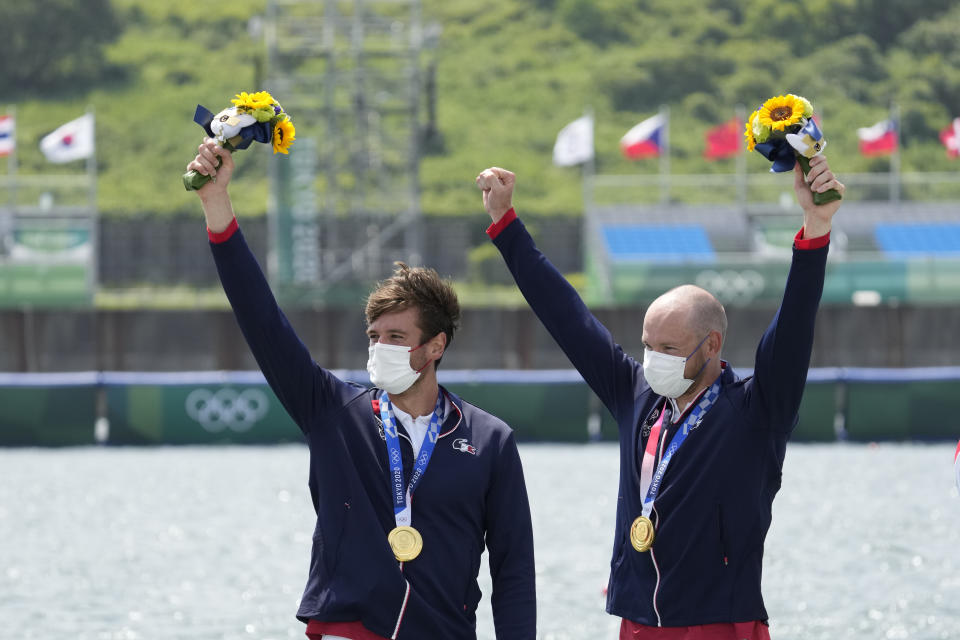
x=783 y=130
x=253 y=117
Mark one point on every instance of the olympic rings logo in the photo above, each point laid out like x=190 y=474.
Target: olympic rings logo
x=227 y=409
x=730 y=285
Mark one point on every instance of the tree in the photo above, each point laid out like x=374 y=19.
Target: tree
x=53 y=44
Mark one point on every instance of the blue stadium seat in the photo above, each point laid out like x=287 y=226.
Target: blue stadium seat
x=919 y=239
x=658 y=243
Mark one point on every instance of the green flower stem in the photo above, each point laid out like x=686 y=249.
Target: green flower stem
x=818 y=198
x=193 y=180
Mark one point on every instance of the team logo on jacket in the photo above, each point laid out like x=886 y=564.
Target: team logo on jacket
x=649 y=422
x=461 y=445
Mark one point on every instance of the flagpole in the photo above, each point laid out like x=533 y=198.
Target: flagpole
x=589 y=167
x=665 y=156
x=12 y=161
x=591 y=232
x=92 y=162
x=93 y=217
x=895 y=156
x=740 y=112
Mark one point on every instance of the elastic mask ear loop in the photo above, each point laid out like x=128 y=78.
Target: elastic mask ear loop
x=428 y=361
x=695 y=349
x=705 y=363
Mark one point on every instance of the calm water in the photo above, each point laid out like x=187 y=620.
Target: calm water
x=184 y=543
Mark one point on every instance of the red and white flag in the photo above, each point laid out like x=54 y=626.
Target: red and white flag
x=71 y=141
x=645 y=139
x=723 y=140
x=950 y=137
x=878 y=140
x=956 y=464
x=8 y=140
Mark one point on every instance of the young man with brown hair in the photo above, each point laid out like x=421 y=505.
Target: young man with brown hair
x=382 y=565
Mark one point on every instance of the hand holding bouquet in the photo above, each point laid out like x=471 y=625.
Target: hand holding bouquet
x=783 y=130
x=254 y=117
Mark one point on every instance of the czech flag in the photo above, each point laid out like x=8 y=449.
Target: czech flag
x=950 y=137
x=645 y=139
x=878 y=140
x=7 y=140
x=723 y=140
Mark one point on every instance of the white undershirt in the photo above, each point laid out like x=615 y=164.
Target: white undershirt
x=417 y=430
x=417 y=427
x=677 y=412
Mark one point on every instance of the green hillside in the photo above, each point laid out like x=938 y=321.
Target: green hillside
x=510 y=74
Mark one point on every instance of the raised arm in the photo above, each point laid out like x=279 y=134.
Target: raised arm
x=286 y=363
x=783 y=356
x=586 y=342
x=217 y=207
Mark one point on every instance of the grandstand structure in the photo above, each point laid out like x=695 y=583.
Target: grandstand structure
x=896 y=239
x=346 y=204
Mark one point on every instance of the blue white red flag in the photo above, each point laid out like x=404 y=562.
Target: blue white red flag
x=878 y=140
x=8 y=140
x=645 y=139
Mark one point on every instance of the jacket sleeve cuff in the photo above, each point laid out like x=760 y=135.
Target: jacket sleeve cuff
x=494 y=229
x=805 y=244
x=223 y=236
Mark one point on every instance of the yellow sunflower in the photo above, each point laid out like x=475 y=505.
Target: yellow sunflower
x=283 y=135
x=780 y=112
x=748 y=134
x=253 y=101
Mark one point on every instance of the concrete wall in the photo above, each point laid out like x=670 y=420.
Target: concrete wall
x=32 y=340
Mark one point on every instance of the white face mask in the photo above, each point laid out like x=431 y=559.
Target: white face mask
x=664 y=373
x=389 y=367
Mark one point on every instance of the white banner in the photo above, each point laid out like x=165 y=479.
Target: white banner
x=574 y=143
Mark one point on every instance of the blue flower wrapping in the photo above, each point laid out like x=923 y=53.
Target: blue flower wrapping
x=778 y=151
x=783 y=156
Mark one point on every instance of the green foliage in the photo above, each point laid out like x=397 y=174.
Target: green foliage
x=54 y=44
x=509 y=75
x=930 y=56
x=593 y=20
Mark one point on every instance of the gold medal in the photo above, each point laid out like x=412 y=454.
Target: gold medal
x=405 y=542
x=641 y=533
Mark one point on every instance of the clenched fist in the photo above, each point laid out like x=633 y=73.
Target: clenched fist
x=497 y=186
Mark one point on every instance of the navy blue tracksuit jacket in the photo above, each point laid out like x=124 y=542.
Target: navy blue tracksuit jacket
x=472 y=494
x=714 y=506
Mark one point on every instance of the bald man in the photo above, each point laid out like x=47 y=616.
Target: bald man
x=701 y=449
